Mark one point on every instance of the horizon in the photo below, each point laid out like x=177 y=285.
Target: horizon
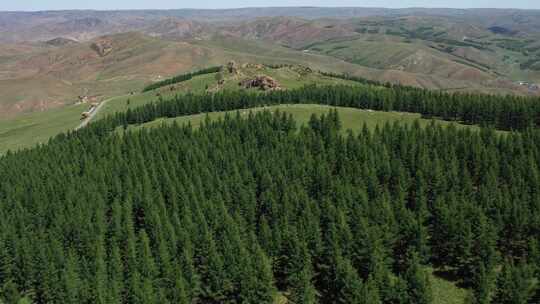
x=267 y=7
x=158 y=5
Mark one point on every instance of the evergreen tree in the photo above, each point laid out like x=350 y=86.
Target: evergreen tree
x=302 y=288
x=348 y=284
x=418 y=284
x=10 y=293
x=72 y=281
x=514 y=284
x=229 y=211
x=258 y=283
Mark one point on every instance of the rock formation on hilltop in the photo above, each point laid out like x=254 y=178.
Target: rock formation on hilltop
x=102 y=47
x=262 y=82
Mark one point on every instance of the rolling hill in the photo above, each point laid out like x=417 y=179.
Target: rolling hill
x=247 y=156
x=53 y=58
x=291 y=32
x=372 y=214
x=352 y=119
x=29 y=129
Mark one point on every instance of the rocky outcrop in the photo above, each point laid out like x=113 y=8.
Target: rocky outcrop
x=102 y=47
x=264 y=83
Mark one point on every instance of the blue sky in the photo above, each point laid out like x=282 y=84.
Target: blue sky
x=32 y=5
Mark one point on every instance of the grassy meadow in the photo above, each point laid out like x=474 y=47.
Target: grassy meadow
x=351 y=118
x=30 y=129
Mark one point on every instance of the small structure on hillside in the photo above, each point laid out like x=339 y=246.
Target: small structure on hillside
x=82 y=99
x=529 y=85
x=93 y=107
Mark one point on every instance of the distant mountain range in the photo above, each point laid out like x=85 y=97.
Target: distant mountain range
x=18 y=26
x=47 y=59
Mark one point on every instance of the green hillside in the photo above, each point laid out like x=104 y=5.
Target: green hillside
x=270 y=156
x=30 y=129
x=288 y=77
x=34 y=128
x=413 y=57
x=351 y=118
x=250 y=209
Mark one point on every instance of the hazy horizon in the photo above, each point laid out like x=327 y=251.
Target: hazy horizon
x=33 y=5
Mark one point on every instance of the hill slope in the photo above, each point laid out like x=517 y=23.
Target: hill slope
x=27 y=130
x=358 y=217
x=413 y=47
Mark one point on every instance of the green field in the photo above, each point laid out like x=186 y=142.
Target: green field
x=288 y=78
x=351 y=118
x=31 y=129
x=446 y=292
x=376 y=54
x=28 y=130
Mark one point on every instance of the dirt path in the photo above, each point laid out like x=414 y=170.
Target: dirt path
x=87 y=120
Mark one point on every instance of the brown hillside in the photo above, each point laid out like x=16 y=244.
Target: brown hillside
x=292 y=32
x=175 y=28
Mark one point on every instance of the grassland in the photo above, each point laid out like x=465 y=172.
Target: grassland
x=446 y=292
x=288 y=78
x=413 y=56
x=353 y=119
x=31 y=129
x=364 y=52
x=28 y=130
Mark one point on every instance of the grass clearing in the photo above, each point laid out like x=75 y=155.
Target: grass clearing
x=28 y=130
x=197 y=85
x=446 y=292
x=286 y=77
x=351 y=118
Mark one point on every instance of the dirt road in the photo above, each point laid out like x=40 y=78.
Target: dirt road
x=87 y=120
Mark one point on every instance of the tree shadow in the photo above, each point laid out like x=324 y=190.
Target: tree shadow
x=448 y=275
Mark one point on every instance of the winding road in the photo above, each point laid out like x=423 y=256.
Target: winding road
x=87 y=120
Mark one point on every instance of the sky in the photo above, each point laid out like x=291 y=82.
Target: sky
x=36 y=5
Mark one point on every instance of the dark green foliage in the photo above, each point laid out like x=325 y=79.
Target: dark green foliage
x=303 y=291
x=501 y=112
x=249 y=206
x=9 y=293
x=418 y=285
x=181 y=78
x=347 y=284
x=514 y=284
